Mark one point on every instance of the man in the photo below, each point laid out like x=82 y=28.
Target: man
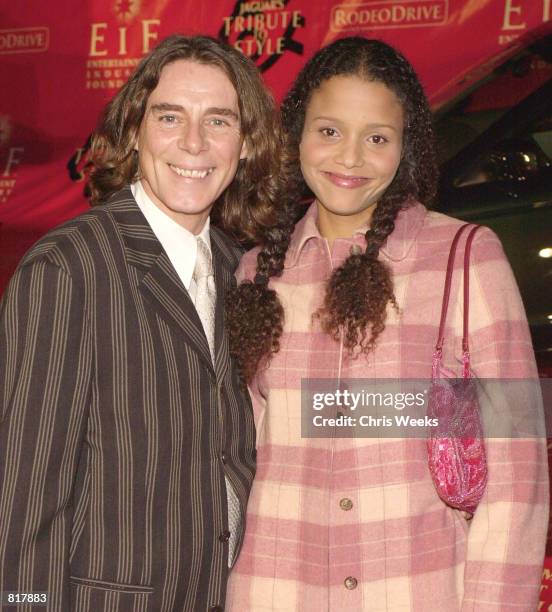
x=126 y=437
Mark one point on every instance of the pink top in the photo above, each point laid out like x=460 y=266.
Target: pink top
x=355 y=524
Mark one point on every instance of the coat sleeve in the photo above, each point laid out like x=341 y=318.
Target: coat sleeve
x=507 y=535
x=45 y=371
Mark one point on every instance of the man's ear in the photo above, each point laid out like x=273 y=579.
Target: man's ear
x=244 y=151
x=136 y=139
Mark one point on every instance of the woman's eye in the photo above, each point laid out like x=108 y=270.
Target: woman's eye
x=377 y=139
x=330 y=132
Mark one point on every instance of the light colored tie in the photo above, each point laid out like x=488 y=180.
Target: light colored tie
x=205 y=302
x=206 y=295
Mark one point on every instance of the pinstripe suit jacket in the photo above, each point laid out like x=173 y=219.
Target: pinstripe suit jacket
x=116 y=430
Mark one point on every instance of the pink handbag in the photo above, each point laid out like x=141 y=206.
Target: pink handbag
x=456 y=448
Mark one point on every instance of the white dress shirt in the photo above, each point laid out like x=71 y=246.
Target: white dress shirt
x=178 y=242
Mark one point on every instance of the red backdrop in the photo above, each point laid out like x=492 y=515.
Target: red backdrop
x=60 y=62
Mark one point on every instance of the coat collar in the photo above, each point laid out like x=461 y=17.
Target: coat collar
x=160 y=284
x=141 y=244
x=408 y=224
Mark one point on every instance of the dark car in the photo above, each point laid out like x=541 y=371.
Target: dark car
x=496 y=169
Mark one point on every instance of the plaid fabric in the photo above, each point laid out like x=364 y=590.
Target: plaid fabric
x=355 y=524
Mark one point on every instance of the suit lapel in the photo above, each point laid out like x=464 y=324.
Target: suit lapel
x=159 y=282
x=224 y=264
x=162 y=286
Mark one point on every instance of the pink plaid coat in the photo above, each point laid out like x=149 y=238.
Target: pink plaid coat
x=355 y=524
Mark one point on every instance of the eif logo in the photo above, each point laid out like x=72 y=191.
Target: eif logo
x=118 y=44
x=10 y=158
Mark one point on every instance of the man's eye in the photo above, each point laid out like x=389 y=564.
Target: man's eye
x=330 y=132
x=218 y=122
x=168 y=119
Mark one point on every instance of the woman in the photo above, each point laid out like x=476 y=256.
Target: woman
x=353 y=290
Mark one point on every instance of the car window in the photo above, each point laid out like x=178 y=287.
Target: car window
x=513 y=159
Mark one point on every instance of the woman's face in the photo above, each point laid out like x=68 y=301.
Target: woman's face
x=350 y=150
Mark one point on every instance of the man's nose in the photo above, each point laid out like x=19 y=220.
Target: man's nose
x=192 y=138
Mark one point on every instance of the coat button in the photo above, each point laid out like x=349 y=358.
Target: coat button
x=345 y=503
x=350 y=583
x=223 y=457
x=224 y=536
x=216 y=609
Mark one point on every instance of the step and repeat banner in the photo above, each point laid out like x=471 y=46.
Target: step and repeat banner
x=60 y=62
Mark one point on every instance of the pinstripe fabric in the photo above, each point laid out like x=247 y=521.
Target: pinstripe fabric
x=116 y=429
x=323 y=510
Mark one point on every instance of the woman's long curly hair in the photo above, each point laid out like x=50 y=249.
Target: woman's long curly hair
x=246 y=206
x=357 y=293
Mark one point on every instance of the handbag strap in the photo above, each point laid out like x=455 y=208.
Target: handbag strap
x=437 y=355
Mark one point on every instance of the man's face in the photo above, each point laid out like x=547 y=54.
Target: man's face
x=189 y=143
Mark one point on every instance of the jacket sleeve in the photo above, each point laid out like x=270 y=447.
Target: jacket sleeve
x=507 y=535
x=45 y=371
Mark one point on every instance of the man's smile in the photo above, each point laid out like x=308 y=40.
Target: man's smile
x=196 y=173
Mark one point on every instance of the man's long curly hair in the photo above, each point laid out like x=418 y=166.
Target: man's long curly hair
x=246 y=206
x=358 y=292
